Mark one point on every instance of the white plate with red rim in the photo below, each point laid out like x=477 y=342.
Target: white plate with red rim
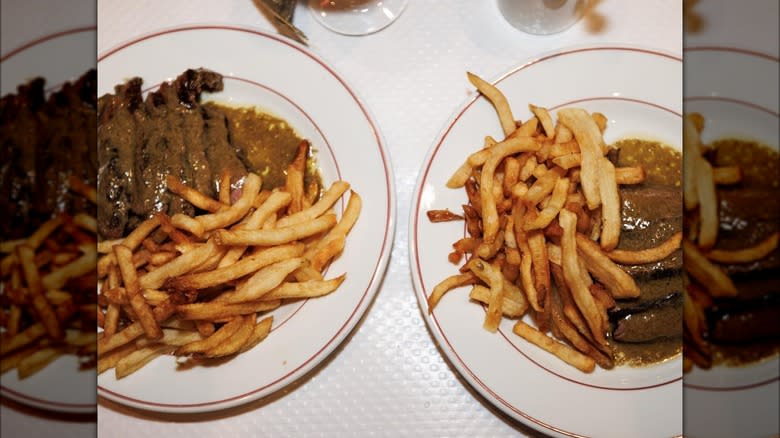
x=61 y=386
x=283 y=78
x=745 y=399
x=640 y=92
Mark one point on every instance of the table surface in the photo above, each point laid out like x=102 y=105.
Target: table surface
x=412 y=77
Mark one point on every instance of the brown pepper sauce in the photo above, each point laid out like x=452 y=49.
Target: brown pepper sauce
x=268 y=144
x=663 y=166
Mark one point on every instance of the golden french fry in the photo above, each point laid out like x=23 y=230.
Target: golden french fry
x=726 y=175
x=498 y=100
x=276 y=236
x=294 y=181
x=135 y=360
x=548 y=213
x=327 y=200
x=193 y=196
x=709 y=275
x=187 y=223
x=139 y=305
x=495 y=280
x=237 y=270
x=181 y=265
x=264 y=280
x=109 y=360
x=589 y=138
x=630 y=175
x=544 y=117
x=573 y=276
x=259 y=333
x=236 y=211
x=220 y=336
x=563 y=351
x=447 y=285
x=304 y=289
x=611 y=220
x=37 y=361
x=39 y=301
x=745 y=255
x=212 y=311
x=598 y=263
x=233 y=344
x=649 y=255
x=83 y=265
x=708 y=205
x=497 y=153
x=511 y=308
x=691 y=158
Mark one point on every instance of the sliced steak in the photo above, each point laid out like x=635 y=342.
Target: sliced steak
x=43 y=142
x=659 y=321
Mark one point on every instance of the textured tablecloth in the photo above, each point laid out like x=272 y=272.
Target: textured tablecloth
x=388 y=378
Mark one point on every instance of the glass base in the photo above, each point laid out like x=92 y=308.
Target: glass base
x=356 y=17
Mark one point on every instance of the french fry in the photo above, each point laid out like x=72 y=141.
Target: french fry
x=691 y=158
x=563 y=351
x=236 y=211
x=630 y=175
x=265 y=279
x=727 y=175
x=245 y=266
x=294 y=180
x=708 y=205
x=37 y=361
x=497 y=153
x=494 y=278
x=304 y=289
x=745 y=255
x=224 y=333
x=137 y=302
x=649 y=255
x=323 y=205
x=617 y=281
x=193 y=196
x=259 y=333
x=498 y=100
x=39 y=301
x=233 y=344
x=610 y=206
x=588 y=136
x=135 y=360
x=447 y=285
x=544 y=117
x=572 y=275
x=711 y=276
x=212 y=311
x=276 y=236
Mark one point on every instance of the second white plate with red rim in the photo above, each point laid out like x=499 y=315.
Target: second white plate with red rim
x=744 y=399
x=61 y=386
x=283 y=78
x=640 y=92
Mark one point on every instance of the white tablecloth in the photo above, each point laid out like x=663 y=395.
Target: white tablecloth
x=388 y=379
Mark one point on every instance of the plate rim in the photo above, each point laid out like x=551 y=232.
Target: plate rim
x=13 y=394
x=450 y=355
x=358 y=313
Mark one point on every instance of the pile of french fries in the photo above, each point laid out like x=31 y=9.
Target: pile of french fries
x=705 y=279
x=200 y=287
x=47 y=284
x=543 y=221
